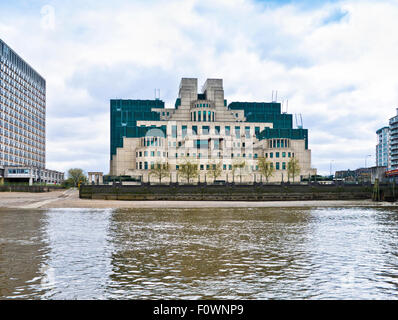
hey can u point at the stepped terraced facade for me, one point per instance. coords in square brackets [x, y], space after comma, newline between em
[204, 130]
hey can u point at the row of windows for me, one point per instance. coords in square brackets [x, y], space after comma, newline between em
[278, 143]
[20, 142]
[203, 116]
[20, 94]
[23, 113]
[206, 130]
[24, 154]
[150, 166]
[18, 171]
[277, 154]
[14, 160]
[22, 128]
[202, 105]
[194, 155]
[20, 67]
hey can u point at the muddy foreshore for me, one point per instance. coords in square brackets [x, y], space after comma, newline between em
[70, 199]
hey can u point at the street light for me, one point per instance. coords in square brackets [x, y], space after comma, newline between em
[369, 155]
[331, 167]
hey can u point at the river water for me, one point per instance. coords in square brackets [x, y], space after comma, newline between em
[259, 253]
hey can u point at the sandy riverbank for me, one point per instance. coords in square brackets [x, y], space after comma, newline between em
[70, 199]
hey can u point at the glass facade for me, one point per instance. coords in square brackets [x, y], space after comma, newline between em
[124, 117]
[22, 112]
[382, 147]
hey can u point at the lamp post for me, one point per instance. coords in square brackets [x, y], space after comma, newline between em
[331, 166]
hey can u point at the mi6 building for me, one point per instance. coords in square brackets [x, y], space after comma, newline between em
[205, 130]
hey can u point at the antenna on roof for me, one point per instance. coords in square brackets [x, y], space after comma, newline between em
[157, 94]
[276, 95]
[272, 96]
[299, 120]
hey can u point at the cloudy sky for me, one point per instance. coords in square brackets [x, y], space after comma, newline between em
[336, 63]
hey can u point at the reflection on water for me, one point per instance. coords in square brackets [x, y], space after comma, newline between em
[261, 253]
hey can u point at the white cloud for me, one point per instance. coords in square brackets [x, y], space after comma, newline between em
[336, 63]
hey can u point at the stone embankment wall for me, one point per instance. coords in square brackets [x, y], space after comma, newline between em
[226, 192]
[27, 188]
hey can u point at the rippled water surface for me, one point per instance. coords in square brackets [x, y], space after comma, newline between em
[261, 253]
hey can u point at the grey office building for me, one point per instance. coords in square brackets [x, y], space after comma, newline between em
[22, 112]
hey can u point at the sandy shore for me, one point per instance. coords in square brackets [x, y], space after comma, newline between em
[70, 199]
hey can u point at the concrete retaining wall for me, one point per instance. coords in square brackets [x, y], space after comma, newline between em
[27, 188]
[226, 193]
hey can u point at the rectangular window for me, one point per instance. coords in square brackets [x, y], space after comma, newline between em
[289, 154]
[224, 167]
[247, 132]
[184, 131]
[283, 154]
[283, 165]
[237, 132]
[201, 144]
[271, 154]
[174, 131]
[199, 116]
[277, 166]
[277, 154]
[194, 130]
[217, 130]
[256, 130]
[227, 130]
[201, 167]
[205, 130]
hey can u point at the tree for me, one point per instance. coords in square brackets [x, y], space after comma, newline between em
[188, 170]
[76, 176]
[215, 170]
[265, 167]
[238, 165]
[293, 168]
[160, 170]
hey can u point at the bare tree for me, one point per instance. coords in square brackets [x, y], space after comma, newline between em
[160, 170]
[215, 169]
[238, 165]
[188, 170]
[265, 167]
[293, 168]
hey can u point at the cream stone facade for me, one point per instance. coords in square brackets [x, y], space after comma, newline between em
[203, 130]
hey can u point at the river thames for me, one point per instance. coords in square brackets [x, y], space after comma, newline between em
[239, 253]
